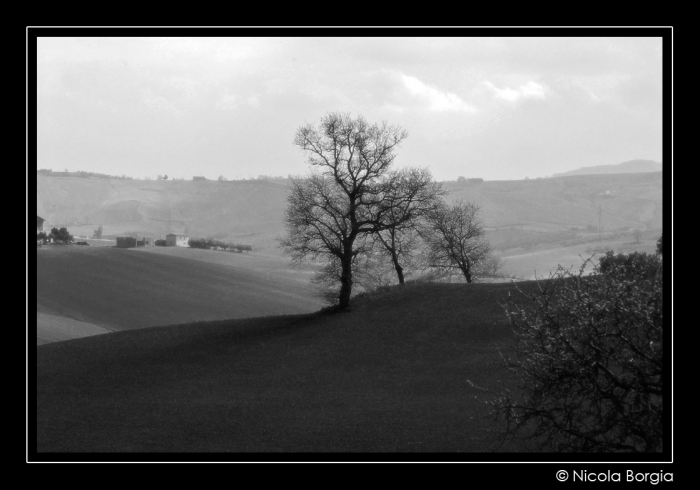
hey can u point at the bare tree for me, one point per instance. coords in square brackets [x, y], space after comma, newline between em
[409, 196]
[372, 269]
[369, 270]
[455, 238]
[400, 245]
[346, 197]
[492, 266]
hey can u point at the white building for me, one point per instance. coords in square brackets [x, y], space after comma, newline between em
[176, 240]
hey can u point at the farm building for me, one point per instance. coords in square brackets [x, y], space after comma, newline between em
[39, 224]
[126, 241]
[176, 240]
[130, 242]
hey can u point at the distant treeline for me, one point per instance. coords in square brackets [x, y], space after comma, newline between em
[80, 173]
[476, 180]
[212, 244]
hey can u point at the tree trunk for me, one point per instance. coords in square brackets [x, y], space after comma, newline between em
[397, 268]
[391, 248]
[399, 272]
[345, 281]
[467, 273]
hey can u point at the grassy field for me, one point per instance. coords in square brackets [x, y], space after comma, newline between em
[54, 328]
[264, 264]
[391, 375]
[538, 262]
[117, 289]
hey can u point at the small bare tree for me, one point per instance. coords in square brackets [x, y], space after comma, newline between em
[454, 235]
[399, 245]
[408, 196]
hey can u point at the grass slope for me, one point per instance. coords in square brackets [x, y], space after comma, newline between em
[54, 328]
[389, 376]
[122, 289]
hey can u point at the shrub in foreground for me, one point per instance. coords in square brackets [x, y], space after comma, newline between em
[588, 359]
[635, 265]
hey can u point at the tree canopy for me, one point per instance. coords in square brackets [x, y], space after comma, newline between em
[350, 194]
[455, 238]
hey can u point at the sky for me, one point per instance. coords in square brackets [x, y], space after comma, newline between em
[494, 108]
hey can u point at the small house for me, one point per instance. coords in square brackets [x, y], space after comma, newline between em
[39, 224]
[176, 240]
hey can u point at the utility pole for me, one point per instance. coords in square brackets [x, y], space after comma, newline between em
[600, 220]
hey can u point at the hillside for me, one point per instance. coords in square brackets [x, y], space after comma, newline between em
[631, 166]
[388, 376]
[520, 215]
[562, 203]
[248, 212]
[90, 290]
[536, 224]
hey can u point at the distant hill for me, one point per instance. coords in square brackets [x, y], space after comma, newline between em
[534, 224]
[628, 200]
[252, 212]
[248, 212]
[632, 166]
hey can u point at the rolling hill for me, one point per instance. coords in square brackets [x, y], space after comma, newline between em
[534, 225]
[391, 375]
[90, 290]
[549, 213]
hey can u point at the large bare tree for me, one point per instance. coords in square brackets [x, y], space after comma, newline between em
[351, 194]
[455, 238]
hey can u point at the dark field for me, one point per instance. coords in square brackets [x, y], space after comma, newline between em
[388, 376]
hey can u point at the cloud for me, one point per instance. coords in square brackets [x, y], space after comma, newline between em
[227, 103]
[159, 104]
[438, 100]
[531, 90]
[152, 101]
